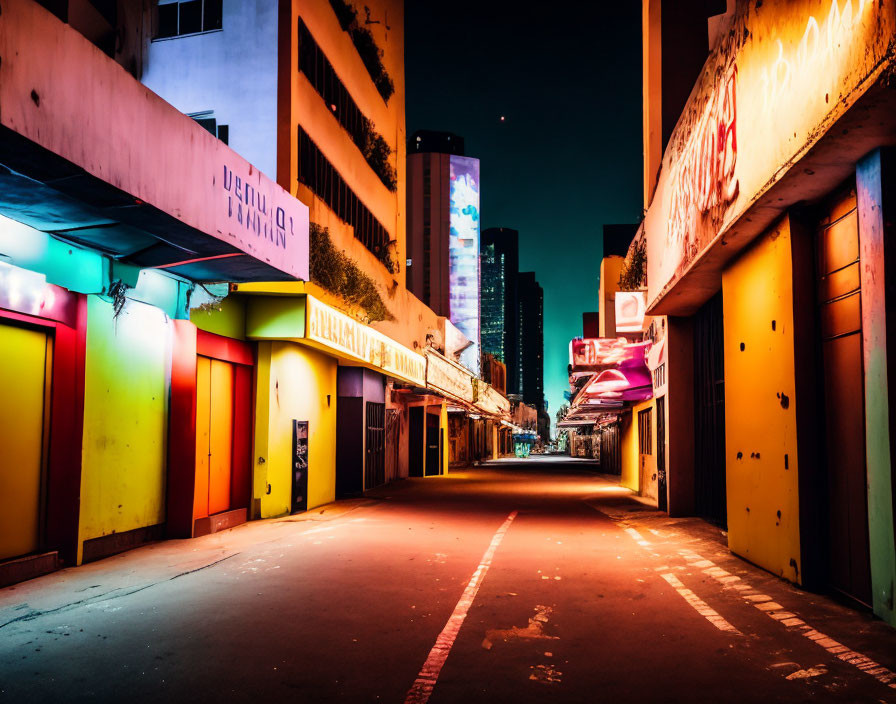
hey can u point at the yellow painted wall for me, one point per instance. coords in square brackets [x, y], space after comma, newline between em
[610, 268]
[763, 500]
[127, 376]
[629, 452]
[446, 445]
[25, 357]
[292, 383]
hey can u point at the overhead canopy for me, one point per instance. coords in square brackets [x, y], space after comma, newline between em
[90, 155]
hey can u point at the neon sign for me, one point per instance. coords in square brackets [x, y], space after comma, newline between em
[463, 255]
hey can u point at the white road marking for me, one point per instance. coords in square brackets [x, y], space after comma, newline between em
[429, 673]
[638, 537]
[773, 610]
[699, 605]
[767, 605]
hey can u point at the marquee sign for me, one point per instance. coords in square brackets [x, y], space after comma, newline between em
[451, 379]
[597, 353]
[337, 331]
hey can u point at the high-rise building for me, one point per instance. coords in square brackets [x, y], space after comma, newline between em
[531, 335]
[500, 300]
[423, 141]
[443, 234]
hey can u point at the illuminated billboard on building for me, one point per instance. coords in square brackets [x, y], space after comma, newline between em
[463, 255]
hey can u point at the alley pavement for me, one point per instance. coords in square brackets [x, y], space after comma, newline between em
[532, 580]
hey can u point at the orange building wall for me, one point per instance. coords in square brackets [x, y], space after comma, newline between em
[301, 105]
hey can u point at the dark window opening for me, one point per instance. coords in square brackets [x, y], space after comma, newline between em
[323, 78]
[645, 441]
[176, 19]
[317, 173]
[209, 123]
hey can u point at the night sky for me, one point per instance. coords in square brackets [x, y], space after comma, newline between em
[567, 158]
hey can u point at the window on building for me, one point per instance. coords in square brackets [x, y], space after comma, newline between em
[645, 440]
[317, 173]
[208, 121]
[177, 18]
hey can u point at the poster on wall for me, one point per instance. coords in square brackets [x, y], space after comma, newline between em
[463, 255]
[630, 308]
[299, 466]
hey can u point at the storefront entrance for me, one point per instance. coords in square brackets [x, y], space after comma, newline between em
[214, 432]
[415, 441]
[223, 433]
[375, 446]
[25, 363]
[842, 383]
[433, 445]
[709, 413]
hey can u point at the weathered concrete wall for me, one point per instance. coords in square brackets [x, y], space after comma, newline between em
[769, 92]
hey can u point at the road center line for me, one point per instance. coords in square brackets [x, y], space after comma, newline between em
[429, 673]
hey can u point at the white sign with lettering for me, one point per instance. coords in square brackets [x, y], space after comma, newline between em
[331, 328]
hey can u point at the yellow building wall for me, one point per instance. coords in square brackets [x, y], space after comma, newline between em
[760, 405]
[293, 382]
[629, 453]
[610, 269]
[446, 446]
[127, 378]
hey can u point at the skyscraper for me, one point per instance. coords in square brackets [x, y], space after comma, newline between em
[443, 233]
[500, 300]
[531, 337]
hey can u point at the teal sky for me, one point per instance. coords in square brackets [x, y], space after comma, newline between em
[567, 157]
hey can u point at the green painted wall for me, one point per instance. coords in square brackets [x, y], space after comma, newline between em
[875, 234]
[227, 318]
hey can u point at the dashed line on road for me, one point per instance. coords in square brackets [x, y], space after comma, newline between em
[638, 537]
[700, 606]
[768, 606]
[421, 690]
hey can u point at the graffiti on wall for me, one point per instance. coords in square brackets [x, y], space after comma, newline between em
[817, 53]
[704, 182]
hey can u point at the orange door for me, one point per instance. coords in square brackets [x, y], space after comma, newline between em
[203, 427]
[840, 315]
[214, 436]
[220, 437]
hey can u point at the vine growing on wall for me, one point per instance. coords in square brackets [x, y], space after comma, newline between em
[338, 274]
[634, 269]
[118, 293]
[377, 153]
[371, 55]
